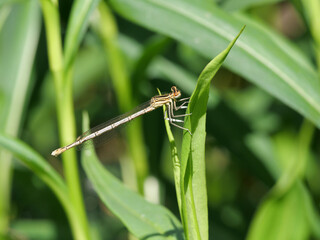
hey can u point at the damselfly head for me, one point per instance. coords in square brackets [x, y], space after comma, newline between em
[175, 92]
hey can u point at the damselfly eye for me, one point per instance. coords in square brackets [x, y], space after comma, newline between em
[175, 92]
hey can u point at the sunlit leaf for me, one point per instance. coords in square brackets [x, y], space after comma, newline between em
[192, 174]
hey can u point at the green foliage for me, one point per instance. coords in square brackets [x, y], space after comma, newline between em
[248, 171]
[193, 186]
[232, 5]
[19, 27]
[143, 219]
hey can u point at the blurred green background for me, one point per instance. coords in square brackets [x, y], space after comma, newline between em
[262, 148]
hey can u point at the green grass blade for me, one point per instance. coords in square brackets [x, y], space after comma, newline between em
[16, 63]
[192, 179]
[294, 157]
[20, 28]
[313, 217]
[77, 25]
[261, 56]
[62, 75]
[52, 23]
[143, 219]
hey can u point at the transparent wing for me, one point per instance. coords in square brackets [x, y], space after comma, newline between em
[103, 138]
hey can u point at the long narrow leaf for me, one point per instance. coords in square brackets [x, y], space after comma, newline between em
[20, 27]
[78, 23]
[61, 68]
[192, 179]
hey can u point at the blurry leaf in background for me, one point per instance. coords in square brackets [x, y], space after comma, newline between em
[287, 212]
[247, 113]
[234, 137]
[232, 5]
[284, 218]
[20, 27]
[262, 146]
[77, 25]
[35, 229]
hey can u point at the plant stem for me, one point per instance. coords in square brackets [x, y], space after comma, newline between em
[64, 101]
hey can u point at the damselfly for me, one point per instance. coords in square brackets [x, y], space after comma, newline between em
[169, 100]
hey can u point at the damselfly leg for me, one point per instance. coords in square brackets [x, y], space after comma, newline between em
[183, 105]
[172, 118]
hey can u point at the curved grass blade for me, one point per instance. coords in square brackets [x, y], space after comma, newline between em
[143, 219]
